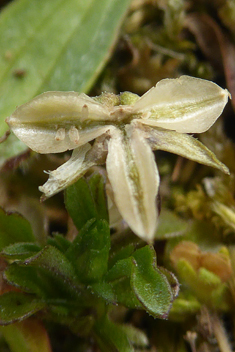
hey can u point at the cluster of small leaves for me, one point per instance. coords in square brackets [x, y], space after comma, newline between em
[74, 283]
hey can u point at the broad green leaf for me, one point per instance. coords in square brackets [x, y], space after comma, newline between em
[14, 228]
[16, 306]
[89, 251]
[57, 45]
[27, 336]
[20, 250]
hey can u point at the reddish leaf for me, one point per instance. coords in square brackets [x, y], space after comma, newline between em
[216, 45]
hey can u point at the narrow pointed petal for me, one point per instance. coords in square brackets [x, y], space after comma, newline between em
[45, 123]
[185, 104]
[67, 173]
[81, 160]
[182, 144]
[134, 178]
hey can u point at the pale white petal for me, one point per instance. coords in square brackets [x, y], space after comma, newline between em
[45, 140]
[134, 179]
[53, 107]
[182, 144]
[81, 160]
[47, 124]
[67, 173]
[185, 104]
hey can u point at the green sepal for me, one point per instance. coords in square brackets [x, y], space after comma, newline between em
[89, 252]
[14, 228]
[16, 306]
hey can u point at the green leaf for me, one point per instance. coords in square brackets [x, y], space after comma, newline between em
[54, 45]
[53, 261]
[14, 228]
[20, 250]
[118, 291]
[26, 336]
[90, 251]
[49, 274]
[111, 337]
[150, 285]
[122, 253]
[31, 280]
[16, 306]
[86, 200]
[97, 184]
[80, 203]
[137, 282]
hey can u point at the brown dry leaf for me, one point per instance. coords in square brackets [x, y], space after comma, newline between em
[186, 250]
[216, 45]
[218, 263]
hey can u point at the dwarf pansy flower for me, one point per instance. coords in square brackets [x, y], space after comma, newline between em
[126, 128]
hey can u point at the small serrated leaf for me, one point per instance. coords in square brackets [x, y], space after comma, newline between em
[89, 251]
[29, 279]
[14, 228]
[53, 261]
[20, 251]
[16, 306]
[150, 285]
